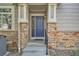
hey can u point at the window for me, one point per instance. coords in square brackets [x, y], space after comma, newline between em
[52, 13]
[21, 11]
[6, 18]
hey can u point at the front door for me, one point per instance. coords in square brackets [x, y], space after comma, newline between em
[37, 27]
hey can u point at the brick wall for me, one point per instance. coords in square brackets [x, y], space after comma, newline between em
[23, 34]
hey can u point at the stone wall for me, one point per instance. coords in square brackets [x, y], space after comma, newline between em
[67, 39]
[58, 39]
[11, 39]
[23, 34]
[62, 39]
[61, 52]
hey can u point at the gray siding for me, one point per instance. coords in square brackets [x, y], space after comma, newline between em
[68, 17]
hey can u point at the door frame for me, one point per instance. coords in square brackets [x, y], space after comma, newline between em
[31, 27]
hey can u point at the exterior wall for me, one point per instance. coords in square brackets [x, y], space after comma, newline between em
[11, 34]
[11, 38]
[68, 20]
[62, 39]
[66, 39]
[64, 42]
[68, 17]
[24, 26]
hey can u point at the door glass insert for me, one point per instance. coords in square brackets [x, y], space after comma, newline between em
[37, 26]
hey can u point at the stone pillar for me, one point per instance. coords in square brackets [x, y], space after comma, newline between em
[23, 34]
[52, 34]
[52, 25]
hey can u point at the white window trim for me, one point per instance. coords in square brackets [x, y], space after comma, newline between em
[25, 10]
[49, 11]
[13, 17]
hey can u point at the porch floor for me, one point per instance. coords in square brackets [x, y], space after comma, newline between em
[35, 48]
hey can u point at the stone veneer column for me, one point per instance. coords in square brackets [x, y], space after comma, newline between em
[23, 34]
[52, 34]
[52, 24]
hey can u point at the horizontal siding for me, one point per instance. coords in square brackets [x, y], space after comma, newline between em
[68, 14]
[68, 5]
[68, 17]
[73, 10]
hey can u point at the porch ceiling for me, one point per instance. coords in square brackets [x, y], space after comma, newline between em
[37, 8]
[37, 3]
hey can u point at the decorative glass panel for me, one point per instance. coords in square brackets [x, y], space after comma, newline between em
[5, 9]
[5, 18]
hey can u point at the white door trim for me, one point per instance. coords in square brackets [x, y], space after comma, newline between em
[37, 15]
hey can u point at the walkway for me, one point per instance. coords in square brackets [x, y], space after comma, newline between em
[35, 48]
